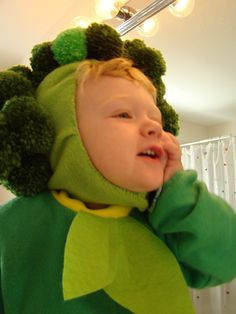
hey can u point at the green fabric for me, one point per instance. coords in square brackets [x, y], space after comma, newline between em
[73, 170]
[199, 228]
[112, 254]
[33, 233]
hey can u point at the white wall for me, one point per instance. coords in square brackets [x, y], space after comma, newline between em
[192, 132]
[222, 129]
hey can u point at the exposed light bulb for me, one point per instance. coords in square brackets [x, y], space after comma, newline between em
[81, 21]
[181, 8]
[149, 27]
[107, 9]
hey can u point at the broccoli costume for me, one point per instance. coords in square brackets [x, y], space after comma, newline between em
[56, 255]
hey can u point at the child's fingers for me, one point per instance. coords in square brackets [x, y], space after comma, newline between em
[173, 153]
[171, 145]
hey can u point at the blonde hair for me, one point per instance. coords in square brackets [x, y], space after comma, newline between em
[118, 67]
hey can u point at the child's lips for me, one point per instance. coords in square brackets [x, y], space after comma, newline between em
[152, 152]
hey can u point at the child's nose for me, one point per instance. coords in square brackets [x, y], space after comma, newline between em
[151, 128]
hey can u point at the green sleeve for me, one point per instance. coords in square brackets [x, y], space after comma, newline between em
[1, 301]
[199, 228]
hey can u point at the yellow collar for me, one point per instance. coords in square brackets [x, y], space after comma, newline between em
[110, 212]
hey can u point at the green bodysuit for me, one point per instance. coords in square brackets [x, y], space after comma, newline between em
[199, 228]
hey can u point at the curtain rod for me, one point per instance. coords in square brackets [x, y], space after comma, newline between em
[215, 139]
[143, 15]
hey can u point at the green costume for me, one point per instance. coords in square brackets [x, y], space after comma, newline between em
[56, 255]
[34, 232]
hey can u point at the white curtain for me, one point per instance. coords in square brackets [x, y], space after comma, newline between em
[215, 162]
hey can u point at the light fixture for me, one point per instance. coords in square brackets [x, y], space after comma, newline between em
[81, 21]
[147, 29]
[108, 9]
[143, 15]
[182, 8]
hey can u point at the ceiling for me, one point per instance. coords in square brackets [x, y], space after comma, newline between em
[200, 50]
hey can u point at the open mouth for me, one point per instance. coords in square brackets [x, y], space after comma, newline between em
[154, 153]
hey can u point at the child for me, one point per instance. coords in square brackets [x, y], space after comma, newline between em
[99, 240]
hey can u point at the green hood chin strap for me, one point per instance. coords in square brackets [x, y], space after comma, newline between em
[72, 169]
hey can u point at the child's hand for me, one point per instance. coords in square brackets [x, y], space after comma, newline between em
[173, 153]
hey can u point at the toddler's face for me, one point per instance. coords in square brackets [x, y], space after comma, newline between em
[121, 129]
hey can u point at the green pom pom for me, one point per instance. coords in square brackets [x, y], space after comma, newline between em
[170, 117]
[3, 122]
[22, 70]
[42, 61]
[31, 178]
[70, 46]
[26, 137]
[152, 64]
[148, 60]
[161, 90]
[9, 152]
[103, 42]
[13, 84]
[32, 127]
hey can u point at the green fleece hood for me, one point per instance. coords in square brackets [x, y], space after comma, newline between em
[34, 101]
[72, 169]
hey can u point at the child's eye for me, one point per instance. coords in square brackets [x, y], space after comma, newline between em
[124, 115]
